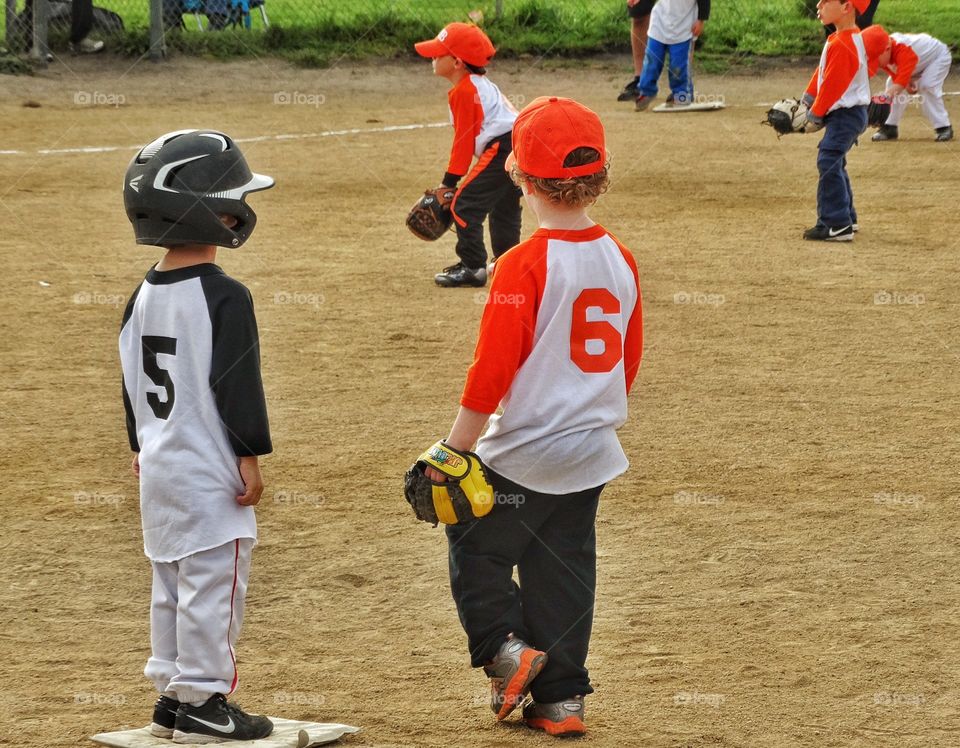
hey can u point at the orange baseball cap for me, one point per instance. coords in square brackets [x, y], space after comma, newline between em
[548, 130]
[462, 40]
[875, 42]
[861, 5]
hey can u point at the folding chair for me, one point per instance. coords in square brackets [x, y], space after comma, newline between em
[245, 6]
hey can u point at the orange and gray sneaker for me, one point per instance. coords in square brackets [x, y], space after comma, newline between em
[560, 718]
[511, 672]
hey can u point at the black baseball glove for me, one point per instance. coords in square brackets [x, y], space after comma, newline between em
[465, 495]
[878, 111]
[430, 217]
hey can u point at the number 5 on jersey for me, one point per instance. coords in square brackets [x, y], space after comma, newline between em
[583, 330]
[151, 346]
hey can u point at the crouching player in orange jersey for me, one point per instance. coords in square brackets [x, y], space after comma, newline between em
[559, 347]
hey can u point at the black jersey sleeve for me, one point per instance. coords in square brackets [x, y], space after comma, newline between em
[127, 405]
[235, 366]
[703, 10]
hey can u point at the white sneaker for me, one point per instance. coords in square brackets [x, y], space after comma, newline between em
[87, 46]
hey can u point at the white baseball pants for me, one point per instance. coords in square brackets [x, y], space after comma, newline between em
[195, 618]
[930, 88]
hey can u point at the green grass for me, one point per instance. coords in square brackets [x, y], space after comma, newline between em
[314, 32]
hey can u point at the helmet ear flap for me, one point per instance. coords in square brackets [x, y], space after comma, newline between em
[177, 188]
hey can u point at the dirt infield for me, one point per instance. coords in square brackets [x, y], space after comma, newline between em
[778, 567]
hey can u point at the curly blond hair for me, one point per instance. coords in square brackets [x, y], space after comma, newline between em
[574, 192]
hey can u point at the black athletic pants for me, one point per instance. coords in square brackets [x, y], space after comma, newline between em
[81, 20]
[552, 541]
[487, 190]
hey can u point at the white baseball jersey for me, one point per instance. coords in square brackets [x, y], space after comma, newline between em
[671, 21]
[479, 113]
[194, 402]
[559, 347]
[927, 49]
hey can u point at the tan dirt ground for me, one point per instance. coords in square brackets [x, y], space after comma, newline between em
[778, 567]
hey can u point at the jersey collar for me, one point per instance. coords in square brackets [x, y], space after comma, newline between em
[161, 277]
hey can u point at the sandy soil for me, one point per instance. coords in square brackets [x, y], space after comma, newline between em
[778, 567]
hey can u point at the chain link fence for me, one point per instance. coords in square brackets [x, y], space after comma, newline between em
[32, 24]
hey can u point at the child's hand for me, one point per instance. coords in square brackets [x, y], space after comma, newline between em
[697, 28]
[135, 465]
[912, 88]
[435, 475]
[252, 481]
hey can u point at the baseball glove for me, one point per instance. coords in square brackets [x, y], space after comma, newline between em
[789, 116]
[430, 216]
[878, 111]
[466, 495]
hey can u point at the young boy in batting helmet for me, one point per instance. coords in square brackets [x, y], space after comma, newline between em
[559, 347]
[837, 98]
[197, 421]
[482, 119]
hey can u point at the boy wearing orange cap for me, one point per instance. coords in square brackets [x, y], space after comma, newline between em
[559, 347]
[837, 99]
[914, 63]
[482, 120]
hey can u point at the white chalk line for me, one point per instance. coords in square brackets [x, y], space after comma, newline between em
[258, 139]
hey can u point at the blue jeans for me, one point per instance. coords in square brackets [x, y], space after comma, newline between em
[834, 193]
[681, 83]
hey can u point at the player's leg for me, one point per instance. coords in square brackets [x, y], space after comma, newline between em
[639, 14]
[482, 555]
[212, 592]
[834, 197]
[162, 665]
[557, 586]
[681, 82]
[653, 62]
[930, 88]
[479, 192]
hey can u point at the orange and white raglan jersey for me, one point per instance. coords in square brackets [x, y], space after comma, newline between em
[841, 81]
[479, 112]
[911, 54]
[559, 347]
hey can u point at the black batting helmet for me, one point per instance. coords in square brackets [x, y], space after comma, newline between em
[178, 186]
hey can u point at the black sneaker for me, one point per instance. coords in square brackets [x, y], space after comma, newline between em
[886, 132]
[944, 134]
[461, 275]
[164, 717]
[217, 720]
[629, 92]
[821, 233]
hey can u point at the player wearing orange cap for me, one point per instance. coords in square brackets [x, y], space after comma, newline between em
[482, 120]
[914, 63]
[837, 99]
[559, 347]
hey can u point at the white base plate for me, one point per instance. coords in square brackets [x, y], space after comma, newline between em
[287, 733]
[697, 106]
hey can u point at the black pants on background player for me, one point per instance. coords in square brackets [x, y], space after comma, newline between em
[487, 192]
[552, 542]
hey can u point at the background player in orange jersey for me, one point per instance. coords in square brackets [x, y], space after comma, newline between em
[482, 121]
